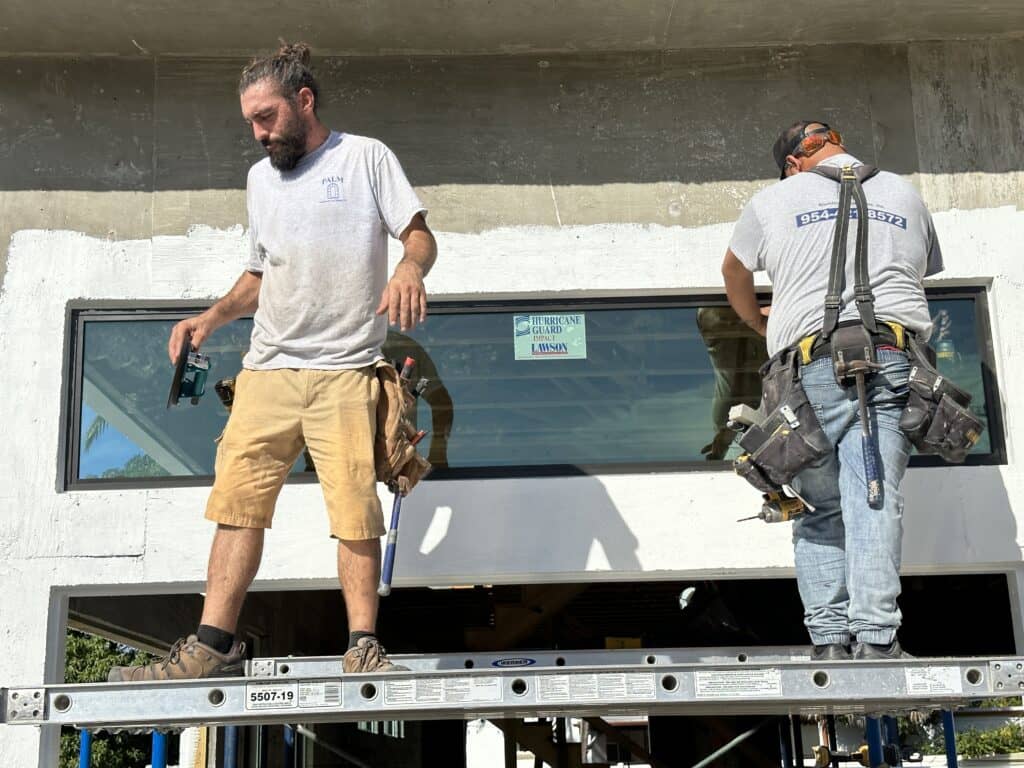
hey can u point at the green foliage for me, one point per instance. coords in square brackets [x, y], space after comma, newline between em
[88, 660]
[972, 743]
[139, 465]
[1004, 703]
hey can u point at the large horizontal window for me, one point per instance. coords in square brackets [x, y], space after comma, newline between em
[515, 389]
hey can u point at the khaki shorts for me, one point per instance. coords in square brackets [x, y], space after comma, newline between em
[274, 415]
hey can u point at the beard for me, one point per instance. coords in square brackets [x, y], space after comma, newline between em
[287, 148]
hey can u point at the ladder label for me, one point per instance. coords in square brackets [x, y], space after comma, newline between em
[442, 690]
[606, 686]
[271, 695]
[934, 680]
[738, 683]
[320, 693]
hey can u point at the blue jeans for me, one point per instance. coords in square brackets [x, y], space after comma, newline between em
[848, 554]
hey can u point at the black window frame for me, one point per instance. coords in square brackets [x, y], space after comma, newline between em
[80, 312]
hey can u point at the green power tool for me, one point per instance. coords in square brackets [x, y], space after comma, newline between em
[190, 374]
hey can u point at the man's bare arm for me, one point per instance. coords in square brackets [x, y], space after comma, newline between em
[404, 297]
[241, 300]
[739, 287]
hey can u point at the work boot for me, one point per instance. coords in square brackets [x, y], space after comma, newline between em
[188, 659]
[875, 652]
[368, 656]
[830, 652]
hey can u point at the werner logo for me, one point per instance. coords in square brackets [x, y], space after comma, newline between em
[514, 661]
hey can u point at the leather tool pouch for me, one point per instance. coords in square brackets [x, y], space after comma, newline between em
[936, 418]
[398, 464]
[852, 349]
[790, 438]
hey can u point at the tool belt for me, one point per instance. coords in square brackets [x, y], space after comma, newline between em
[936, 417]
[398, 464]
[816, 346]
[790, 437]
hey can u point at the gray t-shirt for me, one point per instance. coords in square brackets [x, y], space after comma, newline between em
[786, 229]
[318, 234]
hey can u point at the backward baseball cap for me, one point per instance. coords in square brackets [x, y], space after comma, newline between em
[787, 141]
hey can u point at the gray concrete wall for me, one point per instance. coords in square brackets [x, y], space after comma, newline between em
[447, 27]
[128, 148]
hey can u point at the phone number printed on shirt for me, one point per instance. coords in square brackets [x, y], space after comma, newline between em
[829, 214]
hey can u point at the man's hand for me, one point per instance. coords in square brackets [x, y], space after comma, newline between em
[762, 327]
[197, 327]
[404, 297]
[242, 299]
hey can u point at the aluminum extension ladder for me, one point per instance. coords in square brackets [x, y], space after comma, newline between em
[769, 681]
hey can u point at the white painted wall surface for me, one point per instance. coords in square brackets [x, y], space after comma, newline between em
[621, 527]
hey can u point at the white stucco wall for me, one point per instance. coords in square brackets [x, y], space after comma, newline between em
[622, 527]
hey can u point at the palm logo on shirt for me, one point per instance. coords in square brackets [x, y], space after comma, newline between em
[332, 186]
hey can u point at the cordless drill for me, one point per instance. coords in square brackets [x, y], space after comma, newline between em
[781, 504]
[778, 508]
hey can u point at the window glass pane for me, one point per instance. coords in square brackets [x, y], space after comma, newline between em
[642, 389]
[126, 429]
[955, 340]
[607, 385]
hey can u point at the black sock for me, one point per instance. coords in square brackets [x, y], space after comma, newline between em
[355, 637]
[217, 639]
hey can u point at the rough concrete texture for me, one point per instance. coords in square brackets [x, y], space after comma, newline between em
[672, 138]
[476, 26]
[969, 106]
[76, 124]
[693, 117]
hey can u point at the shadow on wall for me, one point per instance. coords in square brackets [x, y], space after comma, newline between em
[694, 116]
[505, 531]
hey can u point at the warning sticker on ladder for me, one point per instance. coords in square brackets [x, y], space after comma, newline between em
[604, 686]
[738, 683]
[441, 690]
[934, 680]
[320, 693]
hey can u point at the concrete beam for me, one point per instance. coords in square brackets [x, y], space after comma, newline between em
[445, 27]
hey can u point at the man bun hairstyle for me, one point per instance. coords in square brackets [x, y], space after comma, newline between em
[289, 69]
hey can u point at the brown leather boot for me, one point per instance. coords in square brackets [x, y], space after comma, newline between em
[369, 656]
[188, 659]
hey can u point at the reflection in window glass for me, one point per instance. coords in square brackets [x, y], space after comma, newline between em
[126, 430]
[587, 386]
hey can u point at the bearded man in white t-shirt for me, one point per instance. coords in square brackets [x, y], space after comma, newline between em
[321, 206]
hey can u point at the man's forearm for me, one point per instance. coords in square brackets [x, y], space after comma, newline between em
[739, 287]
[241, 300]
[420, 251]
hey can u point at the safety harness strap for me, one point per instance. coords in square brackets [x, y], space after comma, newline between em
[849, 179]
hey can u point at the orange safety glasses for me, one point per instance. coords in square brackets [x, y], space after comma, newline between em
[815, 140]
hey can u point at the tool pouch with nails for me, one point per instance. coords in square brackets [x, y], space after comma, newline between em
[790, 438]
[398, 464]
[936, 418]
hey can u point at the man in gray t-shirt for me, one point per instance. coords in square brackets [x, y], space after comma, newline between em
[847, 554]
[321, 208]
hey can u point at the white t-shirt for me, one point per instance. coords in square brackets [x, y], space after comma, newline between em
[318, 234]
[786, 229]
